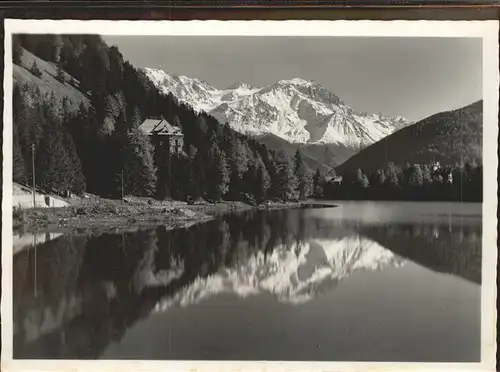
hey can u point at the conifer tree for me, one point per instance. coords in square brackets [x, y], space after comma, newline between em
[60, 73]
[392, 175]
[135, 118]
[139, 171]
[181, 184]
[238, 162]
[416, 178]
[316, 179]
[176, 122]
[380, 177]
[74, 171]
[51, 161]
[426, 174]
[407, 171]
[17, 161]
[220, 175]
[263, 181]
[286, 179]
[17, 50]
[361, 179]
[301, 175]
[35, 70]
[199, 173]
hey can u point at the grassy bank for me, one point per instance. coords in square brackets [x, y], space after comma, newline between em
[116, 214]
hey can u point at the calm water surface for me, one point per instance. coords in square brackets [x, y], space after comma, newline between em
[361, 282]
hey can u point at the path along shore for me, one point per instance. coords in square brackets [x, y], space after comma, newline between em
[112, 215]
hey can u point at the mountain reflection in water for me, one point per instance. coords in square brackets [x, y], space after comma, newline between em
[88, 291]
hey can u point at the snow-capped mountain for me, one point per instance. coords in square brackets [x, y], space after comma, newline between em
[295, 110]
[293, 274]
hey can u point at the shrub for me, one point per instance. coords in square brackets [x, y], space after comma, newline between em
[17, 215]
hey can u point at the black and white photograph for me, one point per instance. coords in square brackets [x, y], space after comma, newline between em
[250, 192]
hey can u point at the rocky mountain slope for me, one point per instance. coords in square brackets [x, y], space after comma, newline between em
[296, 111]
[451, 137]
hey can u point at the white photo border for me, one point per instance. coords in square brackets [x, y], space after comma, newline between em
[486, 30]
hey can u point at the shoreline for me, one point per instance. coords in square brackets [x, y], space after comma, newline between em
[120, 216]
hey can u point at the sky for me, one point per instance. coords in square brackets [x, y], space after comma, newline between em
[408, 77]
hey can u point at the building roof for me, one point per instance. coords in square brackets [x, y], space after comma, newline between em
[333, 179]
[160, 127]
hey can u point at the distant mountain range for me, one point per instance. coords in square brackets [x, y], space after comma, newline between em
[286, 115]
[451, 137]
[296, 113]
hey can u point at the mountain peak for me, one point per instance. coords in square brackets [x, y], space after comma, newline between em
[296, 110]
[239, 84]
[295, 81]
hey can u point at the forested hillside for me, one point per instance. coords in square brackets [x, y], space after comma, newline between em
[438, 158]
[452, 138]
[79, 103]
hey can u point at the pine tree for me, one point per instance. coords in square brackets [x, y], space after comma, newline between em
[74, 171]
[366, 183]
[191, 187]
[262, 182]
[362, 179]
[426, 175]
[272, 170]
[177, 122]
[416, 178]
[139, 171]
[50, 160]
[17, 160]
[286, 180]
[65, 113]
[316, 179]
[407, 171]
[181, 184]
[199, 173]
[220, 175]
[35, 70]
[380, 177]
[60, 73]
[135, 118]
[17, 50]
[28, 126]
[392, 175]
[238, 162]
[301, 174]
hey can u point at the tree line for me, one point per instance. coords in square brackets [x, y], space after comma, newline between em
[96, 145]
[460, 182]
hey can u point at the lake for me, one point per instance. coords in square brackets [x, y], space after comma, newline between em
[363, 281]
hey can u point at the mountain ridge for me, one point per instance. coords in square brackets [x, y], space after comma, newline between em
[296, 110]
[449, 137]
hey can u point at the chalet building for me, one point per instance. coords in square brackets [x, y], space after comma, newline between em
[164, 135]
[334, 180]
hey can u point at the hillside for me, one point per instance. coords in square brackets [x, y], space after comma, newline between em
[451, 138]
[80, 104]
[316, 156]
[48, 82]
